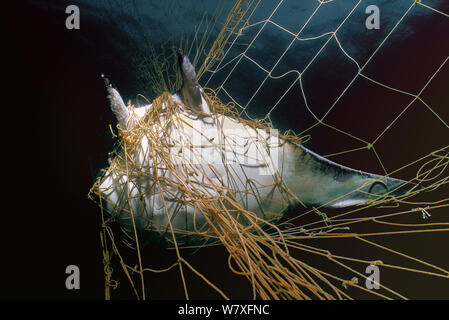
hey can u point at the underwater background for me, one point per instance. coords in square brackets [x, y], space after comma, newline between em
[59, 95]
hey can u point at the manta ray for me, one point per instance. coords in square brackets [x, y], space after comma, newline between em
[266, 173]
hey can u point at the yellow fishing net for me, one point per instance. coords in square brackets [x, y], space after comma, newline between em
[268, 251]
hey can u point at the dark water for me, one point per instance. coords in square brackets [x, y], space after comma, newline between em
[62, 138]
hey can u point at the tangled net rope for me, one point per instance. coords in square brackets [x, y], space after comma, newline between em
[259, 249]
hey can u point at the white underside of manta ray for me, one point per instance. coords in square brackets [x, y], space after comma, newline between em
[266, 174]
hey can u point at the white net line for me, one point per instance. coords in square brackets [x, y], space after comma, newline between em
[333, 35]
[330, 37]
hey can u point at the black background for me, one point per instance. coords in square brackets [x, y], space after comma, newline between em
[53, 125]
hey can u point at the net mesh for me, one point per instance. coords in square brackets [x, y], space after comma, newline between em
[270, 254]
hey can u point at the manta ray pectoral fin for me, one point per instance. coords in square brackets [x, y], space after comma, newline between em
[191, 92]
[318, 181]
[117, 105]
